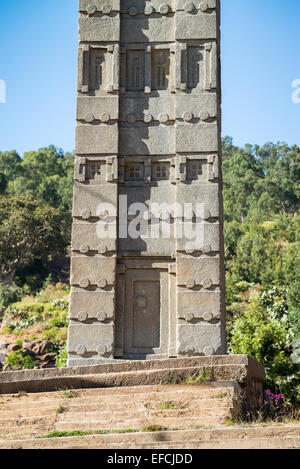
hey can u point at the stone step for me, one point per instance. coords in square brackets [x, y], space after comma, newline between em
[140, 423]
[172, 406]
[221, 438]
[96, 395]
[172, 402]
[208, 390]
[240, 368]
[94, 421]
[278, 443]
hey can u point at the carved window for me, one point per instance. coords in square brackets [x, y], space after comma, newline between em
[95, 169]
[195, 63]
[160, 171]
[135, 80]
[97, 69]
[160, 69]
[134, 172]
[195, 169]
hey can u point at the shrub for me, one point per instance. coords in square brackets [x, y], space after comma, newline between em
[55, 334]
[264, 333]
[62, 358]
[8, 295]
[19, 361]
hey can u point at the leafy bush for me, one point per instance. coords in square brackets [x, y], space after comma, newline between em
[55, 335]
[264, 333]
[9, 295]
[62, 358]
[19, 361]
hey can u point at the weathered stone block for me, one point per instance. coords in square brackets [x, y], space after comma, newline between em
[87, 237]
[96, 139]
[205, 305]
[199, 339]
[207, 196]
[147, 30]
[94, 201]
[99, 6]
[204, 272]
[147, 140]
[201, 236]
[142, 7]
[93, 272]
[97, 305]
[192, 137]
[103, 109]
[95, 339]
[104, 29]
[195, 26]
[146, 110]
[203, 106]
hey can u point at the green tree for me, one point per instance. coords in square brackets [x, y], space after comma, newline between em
[29, 230]
[46, 174]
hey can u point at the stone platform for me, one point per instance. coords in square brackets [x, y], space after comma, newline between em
[242, 369]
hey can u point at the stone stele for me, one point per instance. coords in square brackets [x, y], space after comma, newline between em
[148, 132]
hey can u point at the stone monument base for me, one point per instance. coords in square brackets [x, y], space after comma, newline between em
[241, 369]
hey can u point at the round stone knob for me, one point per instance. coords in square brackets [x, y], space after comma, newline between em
[86, 214]
[102, 283]
[188, 349]
[204, 115]
[104, 117]
[131, 118]
[84, 249]
[106, 9]
[208, 351]
[203, 6]
[207, 283]
[189, 7]
[133, 11]
[189, 317]
[81, 350]
[148, 10]
[206, 214]
[82, 316]
[206, 249]
[89, 117]
[102, 213]
[190, 283]
[208, 317]
[163, 118]
[148, 118]
[102, 249]
[187, 116]
[164, 9]
[101, 316]
[91, 9]
[84, 283]
[101, 350]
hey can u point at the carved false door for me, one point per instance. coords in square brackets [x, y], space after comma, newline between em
[146, 313]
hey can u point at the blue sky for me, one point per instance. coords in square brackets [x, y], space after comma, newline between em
[38, 50]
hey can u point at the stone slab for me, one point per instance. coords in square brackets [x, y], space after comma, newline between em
[147, 140]
[96, 139]
[97, 108]
[240, 368]
[92, 305]
[104, 29]
[196, 339]
[87, 200]
[93, 271]
[196, 137]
